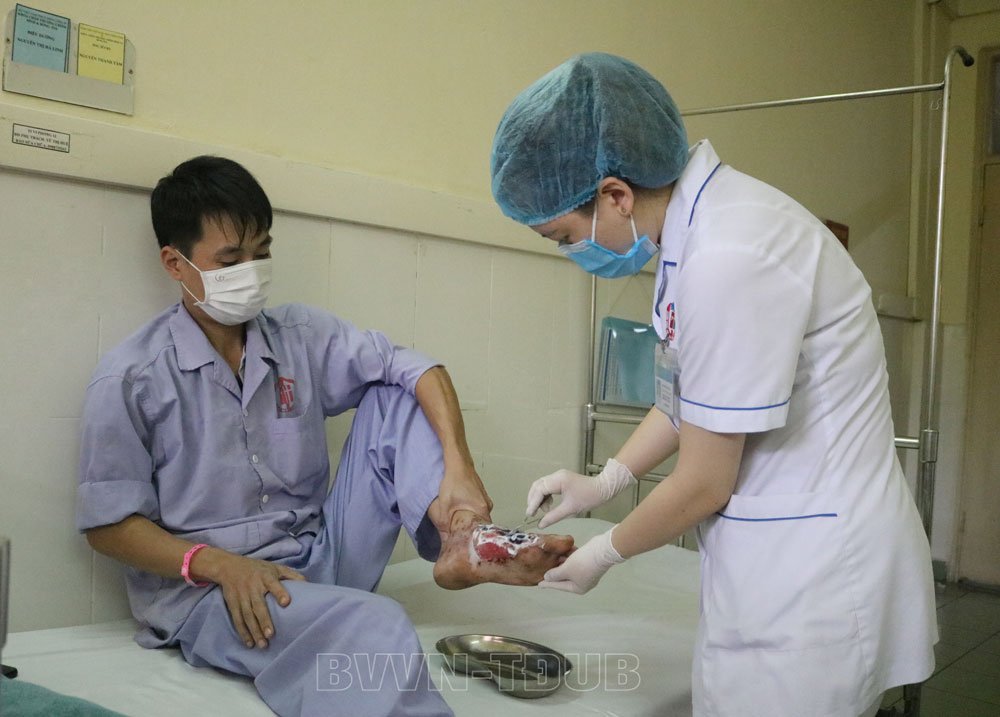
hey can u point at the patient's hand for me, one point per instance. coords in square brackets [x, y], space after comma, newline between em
[245, 582]
[478, 552]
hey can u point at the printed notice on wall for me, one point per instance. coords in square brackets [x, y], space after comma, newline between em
[100, 54]
[40, 39]
[40, 138]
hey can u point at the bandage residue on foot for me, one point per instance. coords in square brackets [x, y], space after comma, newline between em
[496, 544]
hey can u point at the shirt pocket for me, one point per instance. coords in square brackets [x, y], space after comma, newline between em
[292, 425]
[776, 574]
[298, 454]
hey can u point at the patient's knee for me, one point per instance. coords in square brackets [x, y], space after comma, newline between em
[370, 608]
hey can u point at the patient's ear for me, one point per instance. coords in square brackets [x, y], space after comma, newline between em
[171, 262]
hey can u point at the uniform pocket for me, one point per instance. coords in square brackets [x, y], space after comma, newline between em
[290, 425]
[776, 577]
[297, 453]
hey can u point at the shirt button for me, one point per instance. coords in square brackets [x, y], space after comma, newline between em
[264, 498]
[246, 412]
[254, 458]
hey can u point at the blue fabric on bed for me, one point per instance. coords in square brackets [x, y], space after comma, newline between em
[24, 699]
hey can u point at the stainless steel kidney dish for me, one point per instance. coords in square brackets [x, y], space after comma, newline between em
[519, 667]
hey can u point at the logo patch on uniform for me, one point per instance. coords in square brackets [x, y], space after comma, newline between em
[671, 322]
[286, 394]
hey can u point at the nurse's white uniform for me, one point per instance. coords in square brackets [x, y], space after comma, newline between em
[817, 593]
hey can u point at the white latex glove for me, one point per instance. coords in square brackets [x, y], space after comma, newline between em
[579, 493]
[584, 567]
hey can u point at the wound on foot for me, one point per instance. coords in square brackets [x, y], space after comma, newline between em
[498, 545]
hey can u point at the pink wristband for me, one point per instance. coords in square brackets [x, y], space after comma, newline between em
[186, 566]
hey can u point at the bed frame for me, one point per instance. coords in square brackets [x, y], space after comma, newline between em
[630, 640]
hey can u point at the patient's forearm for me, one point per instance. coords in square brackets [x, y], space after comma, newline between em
[140, 543]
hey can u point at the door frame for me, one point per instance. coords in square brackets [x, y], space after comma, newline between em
[989, 63]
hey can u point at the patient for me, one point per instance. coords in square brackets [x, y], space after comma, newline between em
[204, 468]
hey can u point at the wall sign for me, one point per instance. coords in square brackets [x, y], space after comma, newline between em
[100, 54]
[41, 39]
[55, 58]
[40, 138]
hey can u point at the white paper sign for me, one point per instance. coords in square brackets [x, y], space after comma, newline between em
[41, 138]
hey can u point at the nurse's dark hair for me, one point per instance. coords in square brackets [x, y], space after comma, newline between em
[212, 188]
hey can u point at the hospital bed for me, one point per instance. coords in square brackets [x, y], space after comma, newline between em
[630, 641]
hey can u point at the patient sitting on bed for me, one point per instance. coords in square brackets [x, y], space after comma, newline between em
[204, 468]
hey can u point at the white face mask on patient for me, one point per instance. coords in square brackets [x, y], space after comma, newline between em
[233, 294]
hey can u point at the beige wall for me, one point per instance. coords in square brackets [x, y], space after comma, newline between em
[412, 91]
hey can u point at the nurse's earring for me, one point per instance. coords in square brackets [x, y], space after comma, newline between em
[619, 192]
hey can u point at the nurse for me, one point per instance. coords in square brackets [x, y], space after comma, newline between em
[771, 387]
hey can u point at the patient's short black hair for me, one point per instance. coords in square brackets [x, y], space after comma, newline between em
[213, 188]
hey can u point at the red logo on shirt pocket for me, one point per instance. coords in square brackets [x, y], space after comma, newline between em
[286, 394]
[671, 322]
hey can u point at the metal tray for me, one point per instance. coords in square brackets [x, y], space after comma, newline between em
[519, 667]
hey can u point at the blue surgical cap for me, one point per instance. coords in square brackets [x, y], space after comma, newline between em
[594, 116]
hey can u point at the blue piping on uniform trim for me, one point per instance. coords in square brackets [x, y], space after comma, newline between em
[698, 196]
[663, 286]
[787, 517]
[729, 408]
[663, 289]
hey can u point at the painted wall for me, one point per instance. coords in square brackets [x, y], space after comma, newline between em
[370, 124]
[412, 91]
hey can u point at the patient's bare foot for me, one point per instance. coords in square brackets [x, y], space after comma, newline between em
[476, 552]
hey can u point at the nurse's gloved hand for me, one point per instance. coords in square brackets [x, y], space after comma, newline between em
[585, 567]
[579, 492]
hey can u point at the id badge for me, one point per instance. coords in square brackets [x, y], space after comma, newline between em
[667, 379]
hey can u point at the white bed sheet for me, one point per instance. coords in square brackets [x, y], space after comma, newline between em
[642, 615]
